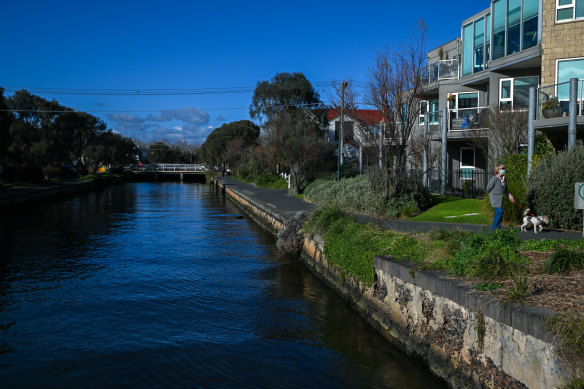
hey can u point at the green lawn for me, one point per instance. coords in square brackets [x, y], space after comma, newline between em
[456, 210]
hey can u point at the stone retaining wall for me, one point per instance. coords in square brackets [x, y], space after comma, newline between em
[465, 337]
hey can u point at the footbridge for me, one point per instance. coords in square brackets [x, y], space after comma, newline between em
[170, 172]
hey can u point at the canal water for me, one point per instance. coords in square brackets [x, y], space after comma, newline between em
[167, 285]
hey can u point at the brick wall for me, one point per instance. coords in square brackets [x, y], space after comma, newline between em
[558, 41]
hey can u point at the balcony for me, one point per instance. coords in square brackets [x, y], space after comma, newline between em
[460, 122]
[561, 94]
[556, 113]
[441, 70]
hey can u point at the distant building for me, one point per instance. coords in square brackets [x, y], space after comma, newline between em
[356, 123]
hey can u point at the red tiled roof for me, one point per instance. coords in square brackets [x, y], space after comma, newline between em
[367, 116]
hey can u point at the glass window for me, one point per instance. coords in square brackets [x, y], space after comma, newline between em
[479, 45]
[579, 9]
[513, 26]
[467, 157]
[467, 162]
[530, 15]
[434, 112]
[467, 52]
[467, 100]
[423, 110]
[521, 87]
[514, 92]
[572, 68]
[499, 11]
[487, 40]
[569, 9]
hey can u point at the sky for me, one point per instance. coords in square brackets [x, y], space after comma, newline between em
[175, 70]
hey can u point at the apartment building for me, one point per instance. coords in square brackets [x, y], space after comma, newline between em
[503, 51]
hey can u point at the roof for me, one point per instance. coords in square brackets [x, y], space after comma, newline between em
[367, 116]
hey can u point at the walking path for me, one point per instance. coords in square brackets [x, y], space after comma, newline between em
[287, 205]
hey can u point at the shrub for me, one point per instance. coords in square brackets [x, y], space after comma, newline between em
[564, 260]
[289, 239]
[487, 256]
[550, 188]
[569, 329]
[320, 220]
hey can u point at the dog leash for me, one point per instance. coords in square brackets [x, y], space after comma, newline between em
[513, 201]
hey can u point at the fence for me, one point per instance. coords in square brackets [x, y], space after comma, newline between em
[463, 182]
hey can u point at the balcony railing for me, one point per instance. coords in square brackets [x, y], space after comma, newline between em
[460, 119]
[441, 70]
[561, 92]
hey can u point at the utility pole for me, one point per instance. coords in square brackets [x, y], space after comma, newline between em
[341, 132]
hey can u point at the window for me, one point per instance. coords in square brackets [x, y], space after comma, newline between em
[434, 112]
[567, 69]
[476, 45]
[530, 22]
[514, 92]
[467, 162]
[479, 45]
[467, 45]
[499, 11]
[567, 10]
[506, 93]
[423, 110]
[463, 104]
[513, 26]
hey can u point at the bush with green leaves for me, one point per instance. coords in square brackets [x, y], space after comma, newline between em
[356, 194]
[550, 188]
[487, 256]
[564, 260]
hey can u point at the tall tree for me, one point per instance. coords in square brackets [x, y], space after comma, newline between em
[394, 87]
[284, 104]
[284, 92]
[218, 141]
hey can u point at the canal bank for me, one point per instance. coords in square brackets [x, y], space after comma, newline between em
[23, 195]
[465, 337]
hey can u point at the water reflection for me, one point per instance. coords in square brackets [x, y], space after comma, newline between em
[162, 285]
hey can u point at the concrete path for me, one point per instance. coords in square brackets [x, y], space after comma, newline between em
[287, 205]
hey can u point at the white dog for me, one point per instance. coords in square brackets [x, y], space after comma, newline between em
[536, 221]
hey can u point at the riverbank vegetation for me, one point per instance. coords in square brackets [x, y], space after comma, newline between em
[495, 257]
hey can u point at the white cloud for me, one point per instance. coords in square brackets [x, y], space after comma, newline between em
[188, 124]
[188, 115]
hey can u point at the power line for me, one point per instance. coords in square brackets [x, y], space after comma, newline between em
[156, 92]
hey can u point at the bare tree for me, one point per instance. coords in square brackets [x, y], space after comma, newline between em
[504, 132]
[395, 83]
[294, 134]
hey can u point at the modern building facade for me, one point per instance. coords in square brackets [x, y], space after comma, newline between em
[503, 51]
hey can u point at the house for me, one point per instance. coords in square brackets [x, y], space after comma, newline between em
[357, 124]
[503, 52]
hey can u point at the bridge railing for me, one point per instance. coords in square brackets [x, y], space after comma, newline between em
[174, 167]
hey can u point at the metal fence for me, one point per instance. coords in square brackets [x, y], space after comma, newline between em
[462, 182]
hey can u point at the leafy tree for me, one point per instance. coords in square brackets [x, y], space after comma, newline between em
[284, 92]
[290, 127]
[39, 136]
[159, 153]
[218, 141]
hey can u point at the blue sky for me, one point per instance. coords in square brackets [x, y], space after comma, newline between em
[209, 56]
